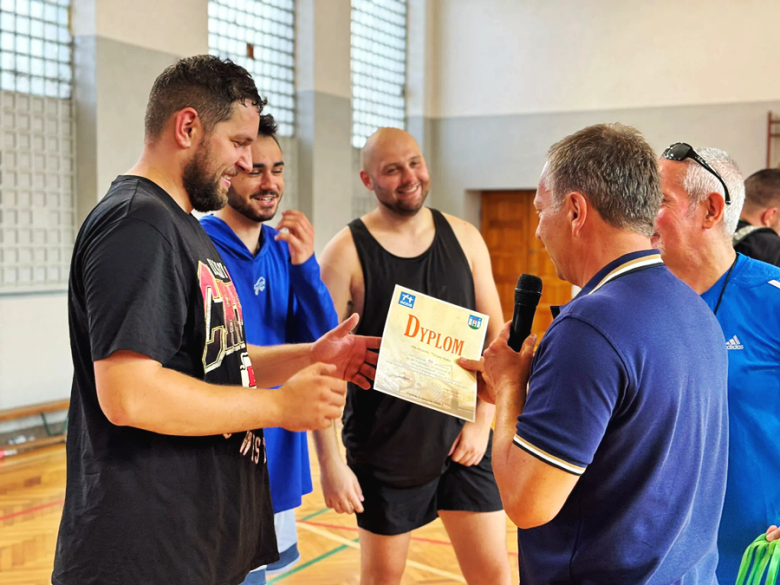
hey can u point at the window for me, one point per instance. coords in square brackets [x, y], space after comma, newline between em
[259, 35]
[37, 206]
[35, 47]
[378, 66]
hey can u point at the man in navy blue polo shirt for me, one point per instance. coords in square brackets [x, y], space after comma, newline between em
[703, 195]
[612, 464]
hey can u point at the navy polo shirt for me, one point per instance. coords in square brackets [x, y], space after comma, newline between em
[628, 391]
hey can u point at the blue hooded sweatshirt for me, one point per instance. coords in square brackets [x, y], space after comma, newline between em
[282, 303]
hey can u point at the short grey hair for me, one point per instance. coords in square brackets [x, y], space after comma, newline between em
[699, 183]
[616, 170]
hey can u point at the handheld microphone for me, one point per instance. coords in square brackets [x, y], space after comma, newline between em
[527, 295]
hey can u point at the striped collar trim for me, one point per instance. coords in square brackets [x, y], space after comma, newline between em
[630, 266]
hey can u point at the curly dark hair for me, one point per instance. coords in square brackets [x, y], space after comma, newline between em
[267, 126]
[206, 83]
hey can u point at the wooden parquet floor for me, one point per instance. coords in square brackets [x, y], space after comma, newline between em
[32, 488]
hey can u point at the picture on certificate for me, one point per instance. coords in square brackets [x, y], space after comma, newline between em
[422, 341]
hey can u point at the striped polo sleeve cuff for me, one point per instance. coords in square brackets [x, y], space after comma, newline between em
[547, 458]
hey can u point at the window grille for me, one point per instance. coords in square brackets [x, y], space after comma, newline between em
[378, 67]
[35, 47]
[259, 35]
[37, 204]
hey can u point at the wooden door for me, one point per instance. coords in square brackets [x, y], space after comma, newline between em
[509, 223]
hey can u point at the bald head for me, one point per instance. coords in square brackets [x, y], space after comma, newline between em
[385, 145]
[394, 169]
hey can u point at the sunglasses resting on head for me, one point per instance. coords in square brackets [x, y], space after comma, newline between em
[679, 151]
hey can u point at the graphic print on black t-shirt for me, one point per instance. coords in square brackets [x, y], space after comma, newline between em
[225, 337]
[222, 339]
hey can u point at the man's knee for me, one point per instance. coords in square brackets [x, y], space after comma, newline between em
[495, 570]
[382, 569]
[382, 558]
[385, 574]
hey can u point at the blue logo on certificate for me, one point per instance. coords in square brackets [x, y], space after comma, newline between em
[475, 322]
[407, 300]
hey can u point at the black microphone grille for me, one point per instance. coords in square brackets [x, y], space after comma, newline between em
[529, 283]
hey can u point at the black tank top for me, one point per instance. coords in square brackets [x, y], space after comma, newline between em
[398, 442]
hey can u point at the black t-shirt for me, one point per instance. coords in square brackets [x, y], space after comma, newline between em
[401, 443]
[762, 243]
[141, 507]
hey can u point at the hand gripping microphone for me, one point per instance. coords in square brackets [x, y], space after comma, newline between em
[527, 295]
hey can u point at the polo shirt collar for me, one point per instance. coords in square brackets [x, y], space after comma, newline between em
[626, 264]
[620, 266]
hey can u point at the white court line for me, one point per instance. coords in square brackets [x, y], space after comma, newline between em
[351, 544]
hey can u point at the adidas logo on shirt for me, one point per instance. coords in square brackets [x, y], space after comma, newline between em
[734, 343]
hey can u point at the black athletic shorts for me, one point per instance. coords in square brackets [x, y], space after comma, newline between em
[390, 510]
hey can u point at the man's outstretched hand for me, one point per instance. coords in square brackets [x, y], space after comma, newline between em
[354, 356]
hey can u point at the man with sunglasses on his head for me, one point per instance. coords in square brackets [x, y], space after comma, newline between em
[703, 193]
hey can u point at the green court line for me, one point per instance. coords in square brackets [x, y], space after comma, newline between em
[307, 564]
[310, 516]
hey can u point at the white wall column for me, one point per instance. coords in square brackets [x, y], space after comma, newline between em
[324, 115]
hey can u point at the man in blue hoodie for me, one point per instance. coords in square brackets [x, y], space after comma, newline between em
[278, 282]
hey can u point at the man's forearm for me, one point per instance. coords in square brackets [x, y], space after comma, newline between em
[509, 405]
[274, 365]
[532, 491]
[327, 445]
[484, 413]
[168, 402]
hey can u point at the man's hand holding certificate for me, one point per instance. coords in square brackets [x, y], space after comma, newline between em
[422, 341]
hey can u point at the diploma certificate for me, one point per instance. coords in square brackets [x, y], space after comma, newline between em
[422, 340]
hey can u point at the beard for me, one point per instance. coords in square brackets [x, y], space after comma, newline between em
[202, 187]
[403, 208]
[245, 208]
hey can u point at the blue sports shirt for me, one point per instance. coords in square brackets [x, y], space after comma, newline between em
[282, 303]
[749, 314]
[628, 391]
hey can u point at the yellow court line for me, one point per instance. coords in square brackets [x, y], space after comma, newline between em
[351, 544]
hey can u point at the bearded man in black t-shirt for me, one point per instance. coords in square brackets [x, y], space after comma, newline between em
[167, 481]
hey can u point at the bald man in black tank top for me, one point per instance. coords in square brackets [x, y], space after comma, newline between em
[410, 464]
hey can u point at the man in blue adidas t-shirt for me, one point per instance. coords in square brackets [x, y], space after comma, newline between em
[693, 233]
[612, 465]
[278, 282]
